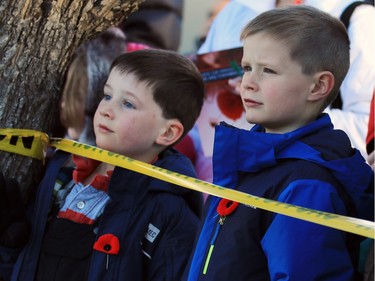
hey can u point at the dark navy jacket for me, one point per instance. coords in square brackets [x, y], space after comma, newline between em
[313, 167]
[155, 222]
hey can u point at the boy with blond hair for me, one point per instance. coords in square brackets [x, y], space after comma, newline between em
[294, 60]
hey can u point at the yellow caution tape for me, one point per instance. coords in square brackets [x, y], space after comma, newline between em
[24, 142]
[40, 141]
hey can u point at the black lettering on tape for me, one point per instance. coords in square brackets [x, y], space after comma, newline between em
[27, 142]
[13, 140]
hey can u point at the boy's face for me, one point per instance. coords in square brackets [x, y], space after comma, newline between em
[274, 90]
[128, 120]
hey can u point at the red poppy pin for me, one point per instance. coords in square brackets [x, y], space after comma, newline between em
[108, 243]
[226, 207]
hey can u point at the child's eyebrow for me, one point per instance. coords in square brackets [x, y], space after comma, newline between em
[132, 96]
[106, 85]
[244, 62]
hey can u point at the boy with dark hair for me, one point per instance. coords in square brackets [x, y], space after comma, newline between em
[294, 60]
[93, 221]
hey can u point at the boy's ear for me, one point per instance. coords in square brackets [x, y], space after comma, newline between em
[173, 131]
[323, 85]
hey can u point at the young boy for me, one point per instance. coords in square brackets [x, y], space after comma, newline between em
[294, 60]
[108, 223]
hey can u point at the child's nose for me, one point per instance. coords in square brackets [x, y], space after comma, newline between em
[107, 111]
[249, 81]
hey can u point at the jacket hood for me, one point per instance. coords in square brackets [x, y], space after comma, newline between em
[318, 142]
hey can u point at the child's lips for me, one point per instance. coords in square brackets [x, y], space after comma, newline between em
[104, 129]
[250, 103]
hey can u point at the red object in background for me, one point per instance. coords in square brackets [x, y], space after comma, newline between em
[186, 147]
[230, 104]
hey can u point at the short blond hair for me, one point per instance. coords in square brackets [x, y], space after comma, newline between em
[317, 40]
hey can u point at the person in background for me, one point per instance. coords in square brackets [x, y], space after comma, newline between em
[93, 221]
[292, 155]
[218, 6]
[355, 91]
[157, 23]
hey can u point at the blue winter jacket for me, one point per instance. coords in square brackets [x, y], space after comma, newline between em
[314, 167]
[155, 222]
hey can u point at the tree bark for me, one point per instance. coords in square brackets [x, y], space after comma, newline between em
[37, 39]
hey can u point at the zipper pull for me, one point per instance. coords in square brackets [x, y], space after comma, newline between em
[225, 208]
[221, 220]
[212, 243]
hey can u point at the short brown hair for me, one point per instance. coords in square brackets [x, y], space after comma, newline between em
[176, 83]
[317, 40]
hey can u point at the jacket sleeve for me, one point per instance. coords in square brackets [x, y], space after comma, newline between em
[301, 250]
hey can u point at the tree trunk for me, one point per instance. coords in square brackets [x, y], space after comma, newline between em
[37, 39]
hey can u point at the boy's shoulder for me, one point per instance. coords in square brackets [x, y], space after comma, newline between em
[180, 197]
[175, 161]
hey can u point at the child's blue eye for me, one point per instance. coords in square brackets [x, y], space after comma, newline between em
[268, 70]
[106, 97]
[128, 104]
